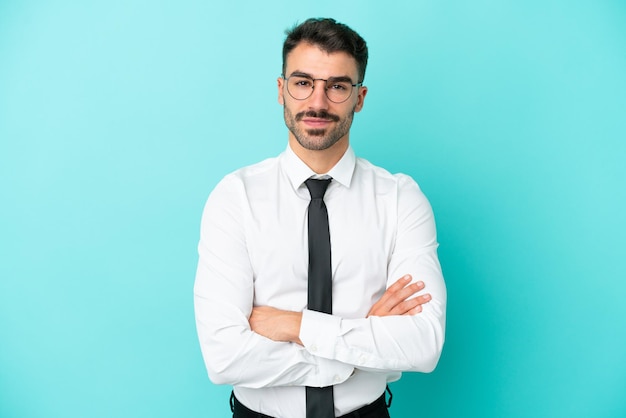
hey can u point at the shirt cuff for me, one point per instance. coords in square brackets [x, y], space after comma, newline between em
[318, 333]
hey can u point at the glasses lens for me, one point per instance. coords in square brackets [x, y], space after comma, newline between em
[300, 88]
[338, 91]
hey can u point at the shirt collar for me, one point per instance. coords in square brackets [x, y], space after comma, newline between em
[297, 171]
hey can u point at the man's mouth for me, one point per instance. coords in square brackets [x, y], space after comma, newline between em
[316, 122]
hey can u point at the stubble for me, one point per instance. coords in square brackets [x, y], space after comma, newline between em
[318, 139]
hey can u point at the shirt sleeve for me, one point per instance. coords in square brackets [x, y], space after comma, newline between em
[223, 299]
[392, 343]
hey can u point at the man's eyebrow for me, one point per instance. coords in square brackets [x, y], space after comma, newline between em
[300, 74]
[340, 78]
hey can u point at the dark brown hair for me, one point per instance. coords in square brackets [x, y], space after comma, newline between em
[331, 37]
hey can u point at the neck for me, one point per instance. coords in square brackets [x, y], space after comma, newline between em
[321, 161]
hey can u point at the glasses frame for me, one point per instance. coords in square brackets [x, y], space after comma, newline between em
[325, 80]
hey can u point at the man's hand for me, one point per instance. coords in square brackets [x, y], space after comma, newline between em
[276, 324]
[394, 300]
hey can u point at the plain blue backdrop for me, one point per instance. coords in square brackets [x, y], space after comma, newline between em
[117, 118]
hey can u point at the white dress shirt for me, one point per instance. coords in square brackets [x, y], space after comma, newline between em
[253, 251]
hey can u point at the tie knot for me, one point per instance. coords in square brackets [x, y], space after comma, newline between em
[317, 188]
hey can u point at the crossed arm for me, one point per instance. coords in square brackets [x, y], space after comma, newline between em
[262, 346]
[281, 325]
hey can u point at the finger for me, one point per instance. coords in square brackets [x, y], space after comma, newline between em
[409, 291]
[395, 287]
[399, 291]
[405, 306]
[415, 310]
[422, 299]
[411, 306]
[402, 295]
[401, 282]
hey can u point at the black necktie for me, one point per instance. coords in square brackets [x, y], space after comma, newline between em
[319, 401]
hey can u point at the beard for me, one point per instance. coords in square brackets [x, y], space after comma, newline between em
[318, 139]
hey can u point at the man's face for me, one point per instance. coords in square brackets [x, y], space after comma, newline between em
[317, 123]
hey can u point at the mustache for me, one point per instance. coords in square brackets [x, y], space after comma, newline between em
[322, 114]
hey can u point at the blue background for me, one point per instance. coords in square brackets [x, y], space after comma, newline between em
[117, 118]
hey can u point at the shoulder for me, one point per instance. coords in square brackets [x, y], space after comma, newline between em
[383, 178]
[411, 205]
[250, 172]
[234, 186]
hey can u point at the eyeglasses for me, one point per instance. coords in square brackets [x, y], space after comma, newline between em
[337, 89]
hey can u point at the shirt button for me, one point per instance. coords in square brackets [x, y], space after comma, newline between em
[314, 348]
[337, 379]
[362, 359]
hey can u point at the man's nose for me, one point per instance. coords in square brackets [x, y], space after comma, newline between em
[318, 99]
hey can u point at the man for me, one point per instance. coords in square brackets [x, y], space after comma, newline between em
[259, 250]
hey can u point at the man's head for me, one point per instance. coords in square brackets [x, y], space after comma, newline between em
[329, 36]
[321, 87]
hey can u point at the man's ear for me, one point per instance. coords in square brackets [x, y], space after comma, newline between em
[360, 98]
[281, 98]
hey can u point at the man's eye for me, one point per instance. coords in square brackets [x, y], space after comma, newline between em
[302, 83]
[338, 86]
